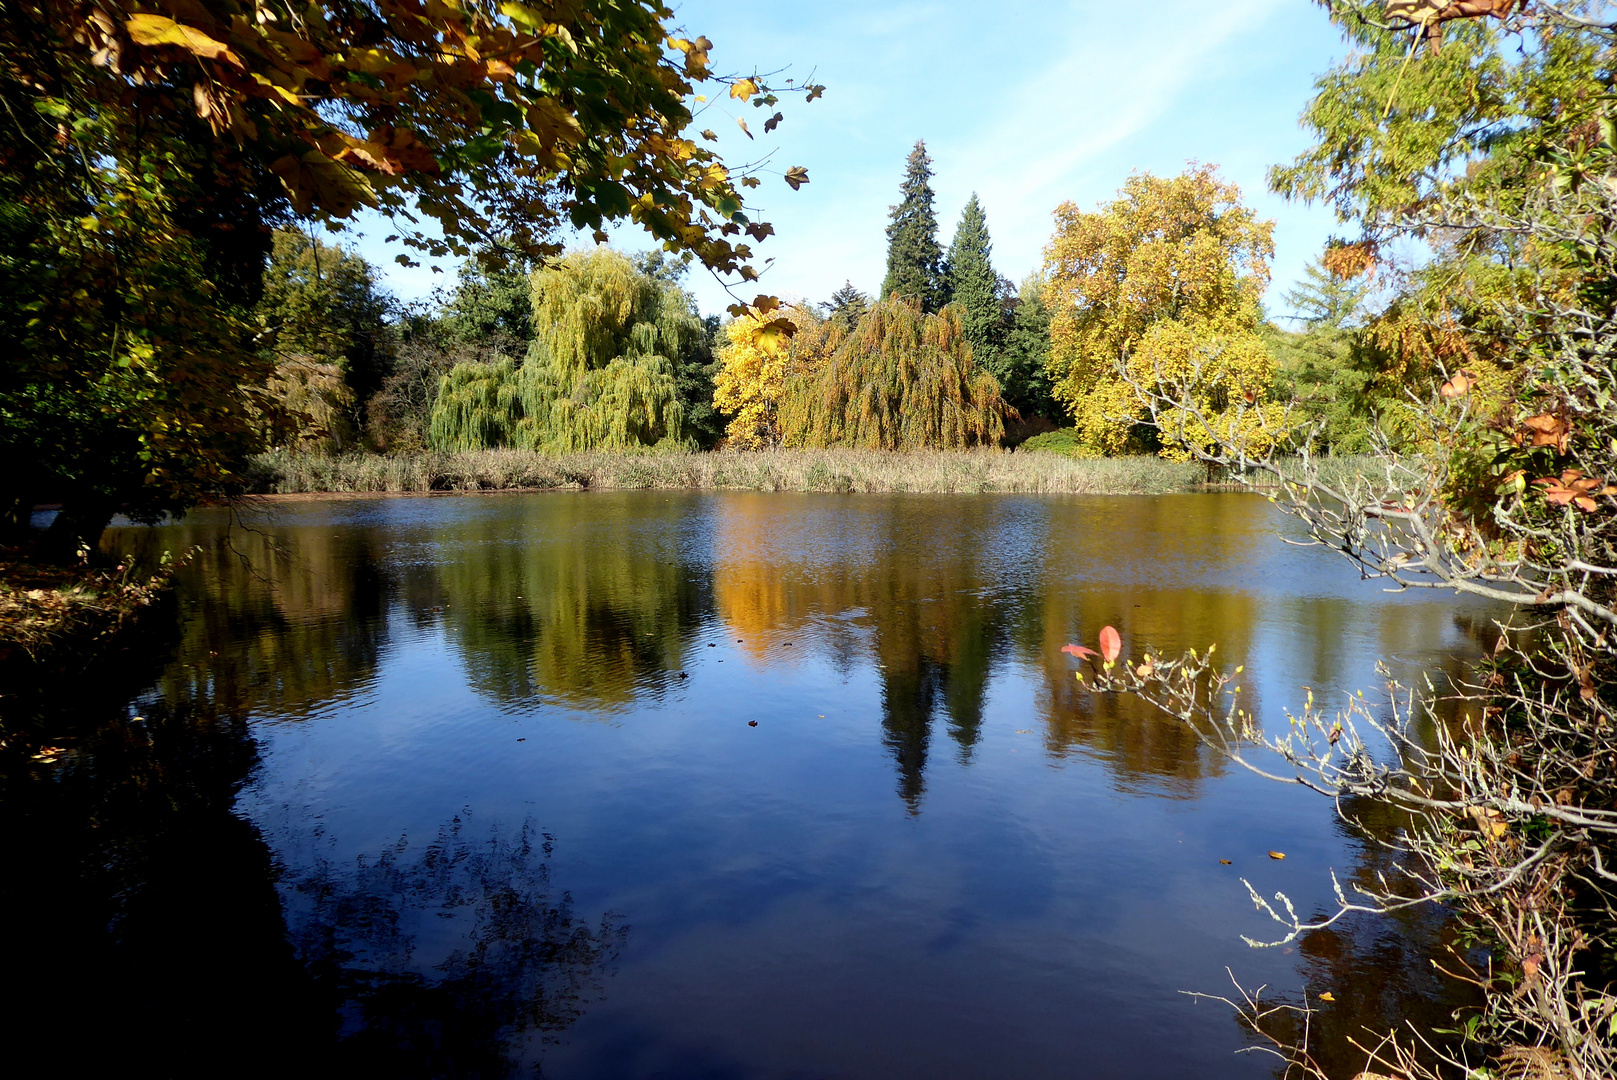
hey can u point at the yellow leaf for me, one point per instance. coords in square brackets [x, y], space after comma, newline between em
[743, 125]
[1277, 854]
[521, 13]
[147, 29]
[743, 89]
[1327, 996]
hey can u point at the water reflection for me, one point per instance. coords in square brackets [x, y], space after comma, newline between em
[141, 903]
[451, 960]
[598, 604]
[373, 707]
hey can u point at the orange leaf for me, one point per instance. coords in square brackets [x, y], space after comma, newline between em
[1081, 652]
[1111, 645]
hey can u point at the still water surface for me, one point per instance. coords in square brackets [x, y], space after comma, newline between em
[717, 785]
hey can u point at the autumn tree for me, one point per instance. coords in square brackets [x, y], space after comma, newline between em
[1497, 155]
[599, 374]
[903, 380]
[754, 362]
[147, 151]
[914, 260]
[1163, 282]
[974, 285]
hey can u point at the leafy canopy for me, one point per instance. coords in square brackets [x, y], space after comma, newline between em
[492, 119]
[904, 380]
[600, 373]
[1395, 127]
[1166, 281]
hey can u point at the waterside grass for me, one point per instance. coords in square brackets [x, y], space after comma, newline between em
[767, 470]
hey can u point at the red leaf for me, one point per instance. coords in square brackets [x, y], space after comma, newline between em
[1111, 645]
[1080, 652]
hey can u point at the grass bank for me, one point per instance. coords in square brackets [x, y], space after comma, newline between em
[769, 470]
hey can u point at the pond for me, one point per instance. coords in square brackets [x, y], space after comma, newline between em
[651, 784]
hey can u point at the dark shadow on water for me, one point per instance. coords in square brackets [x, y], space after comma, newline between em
[150, 929]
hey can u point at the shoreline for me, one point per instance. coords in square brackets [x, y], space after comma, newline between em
[842, 471]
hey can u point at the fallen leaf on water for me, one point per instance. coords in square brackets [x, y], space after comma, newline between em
[1224, 862]
[1024, 731]
[1327, 996]
[1277, 854]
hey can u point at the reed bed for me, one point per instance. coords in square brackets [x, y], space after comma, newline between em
[764, 470]
[761, 470]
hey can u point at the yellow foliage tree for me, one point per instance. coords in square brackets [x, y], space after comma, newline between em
[1161, 287]
[903, 380]
[753, 368]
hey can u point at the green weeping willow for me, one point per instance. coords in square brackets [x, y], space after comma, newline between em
[903, 380]
[598, 375]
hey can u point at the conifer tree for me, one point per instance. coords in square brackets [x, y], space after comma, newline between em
[846, 307]
[914, 260]
[974, 285]
[1019, 363]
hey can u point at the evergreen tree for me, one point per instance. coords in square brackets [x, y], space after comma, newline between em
[846, 307]
[914, 260]
[974, 285]
[1019, 363]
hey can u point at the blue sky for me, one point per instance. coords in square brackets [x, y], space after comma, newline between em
[1028, 104]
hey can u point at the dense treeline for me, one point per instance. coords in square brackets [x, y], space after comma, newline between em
[155, 158]
[182, 305]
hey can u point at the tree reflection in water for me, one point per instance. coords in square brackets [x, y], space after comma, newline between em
[139, 905]
[459, 956]
[451, 963]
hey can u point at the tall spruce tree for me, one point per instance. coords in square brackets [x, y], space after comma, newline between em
[914, 260]
[974, 285]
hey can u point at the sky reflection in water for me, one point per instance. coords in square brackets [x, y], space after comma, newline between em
[507, 770]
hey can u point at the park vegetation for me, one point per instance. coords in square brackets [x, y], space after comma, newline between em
[181, 331]
[1491, 145]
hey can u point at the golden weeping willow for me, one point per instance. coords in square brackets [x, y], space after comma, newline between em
[599, 374]
[903, 380]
